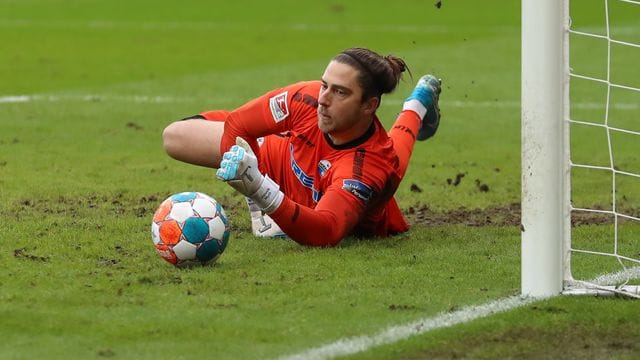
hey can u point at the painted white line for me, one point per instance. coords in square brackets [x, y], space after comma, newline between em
[506, 104]
[617, 278]
[9, 99]
[616, 30]
[397, 333]
[510, 104]
[221, 26]
[15, 99]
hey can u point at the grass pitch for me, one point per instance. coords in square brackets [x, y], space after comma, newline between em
[86, 89]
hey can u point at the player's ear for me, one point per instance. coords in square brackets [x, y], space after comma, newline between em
[371, 105]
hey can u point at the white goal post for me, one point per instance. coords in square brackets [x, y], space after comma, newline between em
[544, 216]
[546, 160]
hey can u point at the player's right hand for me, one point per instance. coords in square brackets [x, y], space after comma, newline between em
[239, 168]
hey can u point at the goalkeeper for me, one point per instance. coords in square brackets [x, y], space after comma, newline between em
[312, 158]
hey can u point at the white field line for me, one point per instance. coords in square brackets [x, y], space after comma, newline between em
[393, 334]
[617, 278]
[97, 24]
[228, 26]
[397, 333]
[10, 99]
[509, 104]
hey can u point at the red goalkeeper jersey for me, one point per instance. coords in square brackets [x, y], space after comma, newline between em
[331, 191]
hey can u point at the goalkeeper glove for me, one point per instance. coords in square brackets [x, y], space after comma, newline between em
[239, 168]
[262, 224]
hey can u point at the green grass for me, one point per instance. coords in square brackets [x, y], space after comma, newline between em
[561, 328]
[82, 170]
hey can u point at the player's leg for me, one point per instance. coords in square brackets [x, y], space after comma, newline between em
[194, 141]
[424, 100]
[418, 120]
[403, 133]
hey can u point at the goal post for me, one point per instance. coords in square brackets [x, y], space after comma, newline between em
[550, 115]
[545, 216]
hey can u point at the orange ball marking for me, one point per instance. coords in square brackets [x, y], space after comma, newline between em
[170, 232]
[163, 211]
[166, 253]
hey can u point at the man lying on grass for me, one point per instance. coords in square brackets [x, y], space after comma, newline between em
[312, 158]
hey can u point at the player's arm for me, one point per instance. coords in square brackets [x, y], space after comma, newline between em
[336, 214]
[271, 113]
[339, 210]
[204, 142]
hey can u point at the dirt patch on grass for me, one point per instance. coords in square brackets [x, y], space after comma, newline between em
[576, 342]
[96, 207]
[24, 255]
[499, 215]
[123, 204]
[505, 215]
[119, 203]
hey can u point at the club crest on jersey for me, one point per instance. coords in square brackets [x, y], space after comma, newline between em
[359, 189]
[279, 107]
[323, 167]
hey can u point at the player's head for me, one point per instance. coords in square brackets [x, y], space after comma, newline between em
[352, 86]
[377, 74]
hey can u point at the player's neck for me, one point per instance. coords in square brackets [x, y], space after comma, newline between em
[353, 138]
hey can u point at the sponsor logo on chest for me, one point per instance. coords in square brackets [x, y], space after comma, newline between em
[323, 167]
[305, 179]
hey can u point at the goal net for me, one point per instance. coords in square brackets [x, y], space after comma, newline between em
[580, 147]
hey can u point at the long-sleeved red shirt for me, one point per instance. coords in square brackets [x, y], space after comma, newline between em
[331, 191]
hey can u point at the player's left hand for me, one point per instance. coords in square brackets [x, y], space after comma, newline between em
[239, 168]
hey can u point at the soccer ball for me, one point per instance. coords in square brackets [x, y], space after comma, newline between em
[190, 228]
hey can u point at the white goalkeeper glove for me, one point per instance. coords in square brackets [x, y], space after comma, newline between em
[262, 224]
[239, 168]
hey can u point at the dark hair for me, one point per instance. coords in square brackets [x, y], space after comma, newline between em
[378, 74]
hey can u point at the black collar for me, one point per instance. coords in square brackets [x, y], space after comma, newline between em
[355, 142]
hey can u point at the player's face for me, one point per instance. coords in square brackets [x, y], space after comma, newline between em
[341, 112]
